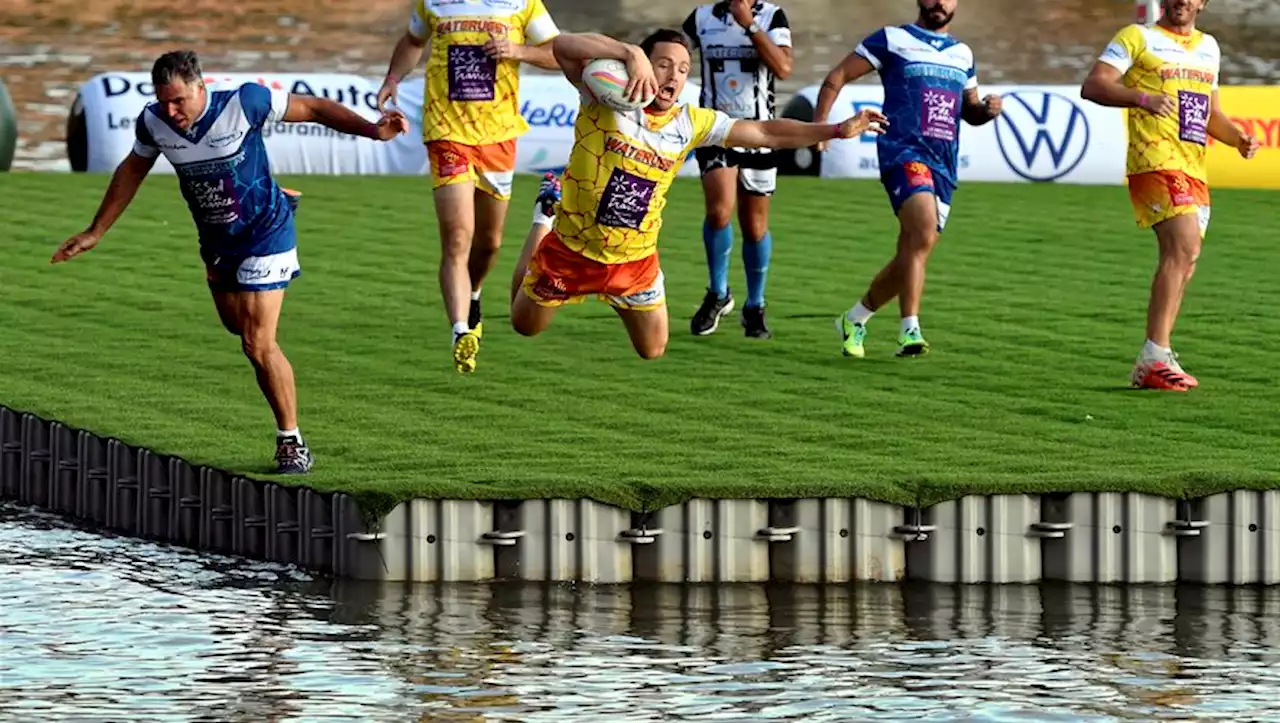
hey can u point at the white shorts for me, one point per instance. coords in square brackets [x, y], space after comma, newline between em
[252, 273]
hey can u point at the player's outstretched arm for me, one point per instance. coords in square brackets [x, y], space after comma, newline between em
[1224, 131]
[314, 109]
[785, 133]
[124, 185]
[574, 50]
[1105, 86]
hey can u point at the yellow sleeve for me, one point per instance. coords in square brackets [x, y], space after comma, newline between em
[710, 127]
[539, 28]
[421, 21]
[1123, 50]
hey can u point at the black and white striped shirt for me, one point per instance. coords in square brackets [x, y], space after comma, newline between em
[735, 79]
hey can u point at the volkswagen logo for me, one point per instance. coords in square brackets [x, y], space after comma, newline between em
[1043, 136]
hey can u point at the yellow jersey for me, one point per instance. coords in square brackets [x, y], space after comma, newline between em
[622, 164]
[1183, 67]
[471, 98]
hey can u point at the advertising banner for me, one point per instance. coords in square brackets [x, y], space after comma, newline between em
[1256, 110]
[1046, 134]
[101, 130]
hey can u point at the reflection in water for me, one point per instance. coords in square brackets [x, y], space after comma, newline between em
[114, 628]
[50, 47]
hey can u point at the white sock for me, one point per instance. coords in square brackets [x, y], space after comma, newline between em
[859, 314]
[540, 218]
[282, 433]
[909, 323]
[460, 328]
[475, 295]
[1152, 351]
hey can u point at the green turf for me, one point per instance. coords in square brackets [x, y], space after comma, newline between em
[1034, 307]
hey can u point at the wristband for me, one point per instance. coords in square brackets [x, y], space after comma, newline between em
[1142, 100]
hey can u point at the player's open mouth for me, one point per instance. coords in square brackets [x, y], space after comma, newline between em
[668, 92]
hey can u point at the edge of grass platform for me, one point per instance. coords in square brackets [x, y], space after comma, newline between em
[376, 500]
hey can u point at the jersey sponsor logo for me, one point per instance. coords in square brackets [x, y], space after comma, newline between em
[918, 176]
[473, 75]
[730, 52]
[643, 156]
[225, 139]
[1193, 117]
[625, 201]
[467, 25]
[940, 114]
[1043, 136]
[1115, 51]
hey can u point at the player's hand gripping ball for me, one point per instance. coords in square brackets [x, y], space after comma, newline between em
[609, 81]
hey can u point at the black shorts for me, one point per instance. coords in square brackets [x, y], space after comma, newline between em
[757, 172]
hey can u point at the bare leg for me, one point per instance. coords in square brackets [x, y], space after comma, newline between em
[649, 330]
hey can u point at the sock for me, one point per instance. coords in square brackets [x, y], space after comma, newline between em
[282, 433]
[719, 244]
[909, 323]
[460, 328]
[475, 295]
[1152, 351]
[540, 218]
[755, 259]
[859, 314]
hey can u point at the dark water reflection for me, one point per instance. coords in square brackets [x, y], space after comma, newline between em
[49, 47]
[101, 628]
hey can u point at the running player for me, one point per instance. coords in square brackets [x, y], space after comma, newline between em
[605, 233]
[470, 122]
[243, 219]
[743, 46]
[1167, 75]
[930, 84]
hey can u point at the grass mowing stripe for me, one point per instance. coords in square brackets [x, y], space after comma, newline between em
[1035, 307]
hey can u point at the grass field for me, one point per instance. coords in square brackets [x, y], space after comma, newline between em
[1034, 306]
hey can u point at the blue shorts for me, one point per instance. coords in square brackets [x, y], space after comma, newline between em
[251, 273]
[904, 180]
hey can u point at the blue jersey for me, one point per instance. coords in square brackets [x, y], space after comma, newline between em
[223, 171]
[925, 75]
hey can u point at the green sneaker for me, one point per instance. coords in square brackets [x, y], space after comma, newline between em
[853, 335]
[912, 343]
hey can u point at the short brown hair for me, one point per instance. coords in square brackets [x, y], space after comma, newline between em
[665, 35]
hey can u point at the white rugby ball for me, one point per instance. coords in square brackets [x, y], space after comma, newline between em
[607, 80]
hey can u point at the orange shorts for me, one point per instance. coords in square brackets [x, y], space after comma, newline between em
[1161, 195]
[558, 275]
[490, 167]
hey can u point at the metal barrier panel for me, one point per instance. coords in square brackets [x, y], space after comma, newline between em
[1239, 545]
[1116, 537]
[834, 540]
[556, 540]
[707, 541]
[979, 539]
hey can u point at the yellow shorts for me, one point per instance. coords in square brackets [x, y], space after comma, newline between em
[1161, 195]
[492, 167]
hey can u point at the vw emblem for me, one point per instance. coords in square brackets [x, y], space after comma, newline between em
[1043, 136]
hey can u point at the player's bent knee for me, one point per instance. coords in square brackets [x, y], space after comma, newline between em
[258, 347]
[649, 352]
[719, 215]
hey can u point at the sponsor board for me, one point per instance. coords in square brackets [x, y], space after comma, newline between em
[1045, 134]
[108, 106]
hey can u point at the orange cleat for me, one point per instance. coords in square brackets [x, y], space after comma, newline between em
[1161, 375]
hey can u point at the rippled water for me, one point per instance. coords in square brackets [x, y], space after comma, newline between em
[101, 628]
[48, 48]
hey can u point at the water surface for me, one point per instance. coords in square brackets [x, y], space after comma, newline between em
[96, 627]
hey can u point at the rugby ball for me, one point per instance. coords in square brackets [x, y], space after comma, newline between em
[607, 80]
